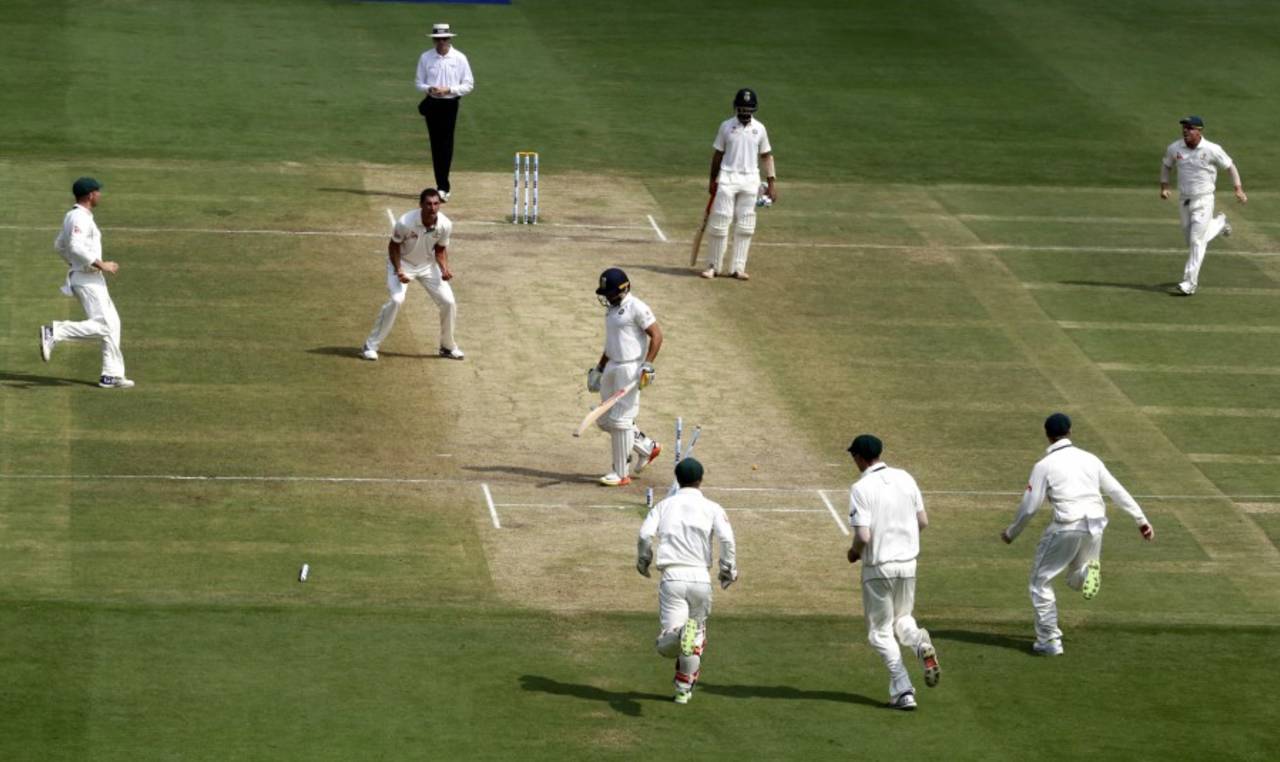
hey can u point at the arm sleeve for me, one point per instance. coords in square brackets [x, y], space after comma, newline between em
[764, 141]
[1032, 499]
[445, 230]
[420, 80]
[728, 548]
[718, 143]
[857, 511]
[1167, 161]
[468, 82]
[1236, 182]
[1164, 173]
[1120, 496]
[400, 232]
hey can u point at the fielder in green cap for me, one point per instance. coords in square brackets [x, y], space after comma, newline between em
[683, 525]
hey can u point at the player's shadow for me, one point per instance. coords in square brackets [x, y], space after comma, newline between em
[785, 693]
[28, 381]
[1159, 288]
[367, 192]
[993, 639]
[624, 702]
[354, 353]
[547, 478]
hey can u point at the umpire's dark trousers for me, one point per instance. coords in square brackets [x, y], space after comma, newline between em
[442, 116]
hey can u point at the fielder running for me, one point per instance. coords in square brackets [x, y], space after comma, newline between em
[418, 250]
[632, 338]
[79, 243]
[1072, 480]
[741, 150]
[683, 525]
[886, 513]
[1198, 161]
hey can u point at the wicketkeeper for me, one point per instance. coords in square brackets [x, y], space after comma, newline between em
[683, 525]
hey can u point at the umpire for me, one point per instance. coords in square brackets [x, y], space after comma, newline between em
[444, 76]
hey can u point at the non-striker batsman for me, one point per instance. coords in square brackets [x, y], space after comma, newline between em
[742, 150]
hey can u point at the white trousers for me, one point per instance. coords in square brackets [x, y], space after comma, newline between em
[887, 604]
[1058, 552]
[678, 602]
[102, 323]
[1199, 227]
[620, 421]
[735, 201]
[437, 288]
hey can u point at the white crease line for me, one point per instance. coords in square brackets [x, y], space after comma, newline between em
[656, 229]
[834, 515]
[412, 481]
[1085, 325]
[488, 498]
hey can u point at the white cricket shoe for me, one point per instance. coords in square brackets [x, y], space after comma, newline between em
[1052, 648]
[905, 702]
[682, 697]
[642, 462]
[46, 342]
[451, 354]
[1226, 226]
[444, 196]
[613, 480]
[368, 353]
[1186, 289]
[742, 275]
[115, 382]
[708, 273]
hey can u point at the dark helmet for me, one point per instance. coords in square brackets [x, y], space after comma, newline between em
[746, 98]
[613, 283]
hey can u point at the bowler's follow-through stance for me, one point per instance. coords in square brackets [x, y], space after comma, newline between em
[418, 250]
[632, 338]
[682, 526]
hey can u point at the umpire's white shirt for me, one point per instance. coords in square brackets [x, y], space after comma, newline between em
[1072, 480]
[418, 242]
[1197, 167]
[886, 501]
[742, 145]
[625, 339]
[451, 70]
[683, 525]
[79, 242]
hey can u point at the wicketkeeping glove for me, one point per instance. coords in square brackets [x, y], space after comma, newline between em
[647, 372]
[642, 565]
[594, 375]
[727, 577]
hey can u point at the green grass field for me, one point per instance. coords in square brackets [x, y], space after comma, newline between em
[969, 237]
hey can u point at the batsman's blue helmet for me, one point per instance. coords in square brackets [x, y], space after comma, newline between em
[613, 282]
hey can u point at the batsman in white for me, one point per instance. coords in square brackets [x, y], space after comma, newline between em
[741, 150]
[632, 338]
[1198, 161]
[682, 526]
[886, 512]
[1072, 480]
[418, 250]
[79, 243]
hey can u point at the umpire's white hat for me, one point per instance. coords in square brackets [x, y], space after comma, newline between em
[440, 30]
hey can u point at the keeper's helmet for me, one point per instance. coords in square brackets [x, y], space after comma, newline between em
[746, 99]
[613, 285]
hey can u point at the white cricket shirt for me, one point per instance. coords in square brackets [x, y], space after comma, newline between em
[79, 242]
[886, 501]
[625, 339]
[1072, 480]
[452, 70]
[742, 145]
[1197, 167]
[683, 525]
[418, 242]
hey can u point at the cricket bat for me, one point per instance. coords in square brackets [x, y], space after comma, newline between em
[697, 237]
[604, 407]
